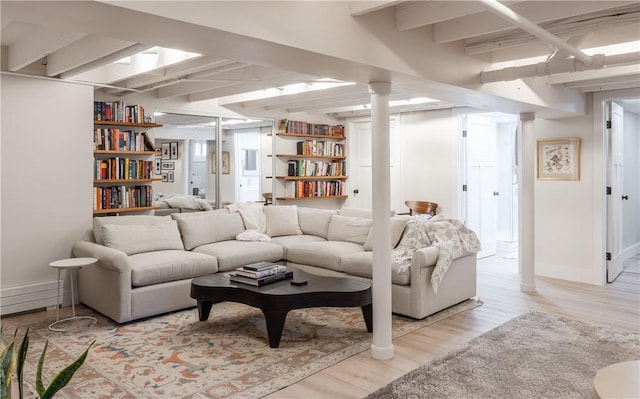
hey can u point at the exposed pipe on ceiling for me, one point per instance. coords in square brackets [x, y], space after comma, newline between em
[508, 14]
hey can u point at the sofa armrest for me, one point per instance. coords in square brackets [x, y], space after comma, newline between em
[425, 257]
[108, 258]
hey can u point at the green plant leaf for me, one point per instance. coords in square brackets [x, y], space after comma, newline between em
[63, 378]
[9, 360]
[39, 385]
[22, 355]
[4, 392]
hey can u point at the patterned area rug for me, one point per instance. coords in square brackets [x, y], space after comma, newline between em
[177, 356]
[536, 355]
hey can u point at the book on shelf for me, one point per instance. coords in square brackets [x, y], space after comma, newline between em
[258, 282]
[259, 266]
[263, 272]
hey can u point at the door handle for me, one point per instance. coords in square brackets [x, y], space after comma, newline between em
[495, 193]
[625, 197]
[356, 191]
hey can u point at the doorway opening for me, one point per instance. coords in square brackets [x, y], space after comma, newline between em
[490, 181]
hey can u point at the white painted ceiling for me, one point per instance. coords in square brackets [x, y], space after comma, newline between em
[72, 40]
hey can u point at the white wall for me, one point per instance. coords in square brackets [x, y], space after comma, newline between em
[46, 205]
[564, 209]
[429, 153]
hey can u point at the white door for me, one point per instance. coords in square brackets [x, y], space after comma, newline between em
[615, 181]
[481, 181]
[197, 167]
[360, 164]
[247, 164]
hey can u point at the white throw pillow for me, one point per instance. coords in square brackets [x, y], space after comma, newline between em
[314, 221]
[210, 228]
[134, 239]
[282, 220]
[398, 224]
[345, 228]
[100, 221]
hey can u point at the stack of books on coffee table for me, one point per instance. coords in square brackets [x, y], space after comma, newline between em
[261, 273]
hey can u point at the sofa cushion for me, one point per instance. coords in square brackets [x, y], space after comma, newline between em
[325, 254]
[232, 254]
[197, 231]
[157, 267]
[361, 264]
[345, 228]
[289, 241]
[99, 222]
[359, 212]
[134, 239]
[315, 221]
[282, 220]
[188, 215]
[398, 224]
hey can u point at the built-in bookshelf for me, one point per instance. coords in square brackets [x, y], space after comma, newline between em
[123, 156]
[310, 161]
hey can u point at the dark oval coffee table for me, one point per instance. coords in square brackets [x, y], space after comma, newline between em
[277, 299]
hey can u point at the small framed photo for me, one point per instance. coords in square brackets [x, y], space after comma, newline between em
[170, 177]
[157, 169]
[168, 166]
[226, 162]
[559, 159]
[174, 150]
[165, 177]
[166, 151]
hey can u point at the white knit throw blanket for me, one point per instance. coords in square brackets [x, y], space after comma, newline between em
[452, 239]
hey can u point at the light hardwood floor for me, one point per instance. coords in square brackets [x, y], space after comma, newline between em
[616, 305]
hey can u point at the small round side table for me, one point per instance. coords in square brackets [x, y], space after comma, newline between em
[70, 265]
[619, 380]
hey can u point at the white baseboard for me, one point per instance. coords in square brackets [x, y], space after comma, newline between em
[631, 251]
[29, 297]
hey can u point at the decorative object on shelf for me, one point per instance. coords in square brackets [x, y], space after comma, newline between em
[226, 162]
[174, 150]
[166, 151]
[168, 166]
[559, 159]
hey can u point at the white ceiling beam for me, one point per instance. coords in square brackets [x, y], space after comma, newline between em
[153, 79]
[85, 50]
[605, 82]
[39, 43]
[95, 73]
[286, 99]
[354, 98]
[486, 23]
[357, 8]
[421, 13]
[223, 94]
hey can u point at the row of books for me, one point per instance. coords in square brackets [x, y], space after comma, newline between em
[260, 274]
[299, 127]
[305, 189]
[113, 197]
[307, 168]
[121, 140]
[320, 148]
[122, 168]
[117, 111]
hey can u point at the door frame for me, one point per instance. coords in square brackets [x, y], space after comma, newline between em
[599, 249]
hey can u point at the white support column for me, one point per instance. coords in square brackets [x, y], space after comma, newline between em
[526, 194]
[381, 345]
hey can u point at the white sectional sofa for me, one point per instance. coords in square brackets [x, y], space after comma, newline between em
[146, 263]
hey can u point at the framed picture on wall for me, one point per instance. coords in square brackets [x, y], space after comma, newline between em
[226, 162]
[170, 177]
[165, 177]
[174, 150]
[157, 169]
[168, 166]
[166, 151]
[559, 159]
